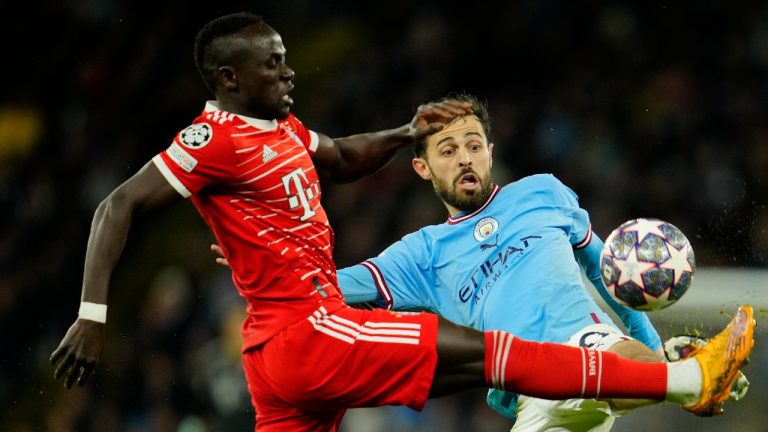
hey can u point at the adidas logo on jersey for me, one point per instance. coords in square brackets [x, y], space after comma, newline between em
[268, 154]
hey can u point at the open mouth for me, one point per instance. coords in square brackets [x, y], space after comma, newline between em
[287, 99]
[468, 181]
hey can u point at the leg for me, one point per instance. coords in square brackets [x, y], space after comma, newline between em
[468, 358]
[550, 371]
[460, 359]
[582, 414]
[634, 350]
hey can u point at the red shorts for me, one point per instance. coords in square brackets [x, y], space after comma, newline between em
[306, 376]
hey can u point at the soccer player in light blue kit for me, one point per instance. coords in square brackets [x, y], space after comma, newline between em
[507, 258]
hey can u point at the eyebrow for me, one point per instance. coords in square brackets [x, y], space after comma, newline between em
[465, 135]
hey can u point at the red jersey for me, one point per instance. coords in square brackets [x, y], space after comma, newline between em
[254, 183]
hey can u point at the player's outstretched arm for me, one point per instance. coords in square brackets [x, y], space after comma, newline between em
[353, 157]
[79, 350]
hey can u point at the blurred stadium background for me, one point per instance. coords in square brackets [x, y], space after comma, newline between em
[656, 109]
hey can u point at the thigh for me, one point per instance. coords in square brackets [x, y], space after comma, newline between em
[347, 358]
[274, 413]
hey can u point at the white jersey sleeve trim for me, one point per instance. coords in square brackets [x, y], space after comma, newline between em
[381, 283]
[166, 172]
[314, 141]
[586, 240]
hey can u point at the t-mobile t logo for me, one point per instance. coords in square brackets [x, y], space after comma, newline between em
[302, 196]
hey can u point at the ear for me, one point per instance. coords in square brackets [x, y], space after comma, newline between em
[422, 168]
[226, 78]
[490, 153]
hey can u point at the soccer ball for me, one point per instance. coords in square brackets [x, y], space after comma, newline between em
[647, 264]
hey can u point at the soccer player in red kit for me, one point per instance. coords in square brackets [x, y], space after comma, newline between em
[252, 170]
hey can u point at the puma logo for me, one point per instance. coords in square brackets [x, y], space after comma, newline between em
[491, 245]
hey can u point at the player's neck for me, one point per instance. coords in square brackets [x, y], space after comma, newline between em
[234, 107]
[453, 211]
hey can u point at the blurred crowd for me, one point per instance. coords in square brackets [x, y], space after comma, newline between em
[645, 109]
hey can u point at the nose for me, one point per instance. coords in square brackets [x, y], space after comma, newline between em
[287, 74]
[465, 158]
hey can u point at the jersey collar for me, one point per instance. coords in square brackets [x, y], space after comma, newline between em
[454, 220]
[212, 105]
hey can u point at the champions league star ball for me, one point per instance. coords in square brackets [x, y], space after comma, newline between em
[647, 264]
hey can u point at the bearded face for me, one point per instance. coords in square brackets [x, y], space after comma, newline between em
[458, 162]
[466, 192]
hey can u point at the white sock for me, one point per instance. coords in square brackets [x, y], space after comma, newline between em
[684, 382]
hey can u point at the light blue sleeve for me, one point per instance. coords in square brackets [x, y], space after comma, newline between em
[358, 287]
[579, 229]
[396, 279]
[637, 323]
[587, 248]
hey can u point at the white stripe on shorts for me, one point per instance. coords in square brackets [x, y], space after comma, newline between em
[349, 331]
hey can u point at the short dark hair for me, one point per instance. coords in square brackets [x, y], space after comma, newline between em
[479, 109]
[222, 26]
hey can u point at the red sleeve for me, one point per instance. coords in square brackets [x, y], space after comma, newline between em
[200, 155]
[306, 136]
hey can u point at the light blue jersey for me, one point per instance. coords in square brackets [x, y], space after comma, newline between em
[507, 266]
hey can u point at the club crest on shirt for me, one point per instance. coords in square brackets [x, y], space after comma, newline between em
[196, 135]
[485, 228]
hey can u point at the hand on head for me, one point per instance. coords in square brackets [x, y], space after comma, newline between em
[432, 117]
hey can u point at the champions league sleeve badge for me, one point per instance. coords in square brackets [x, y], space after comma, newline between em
[196, 136]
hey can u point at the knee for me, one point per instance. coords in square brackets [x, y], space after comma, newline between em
[635, 350]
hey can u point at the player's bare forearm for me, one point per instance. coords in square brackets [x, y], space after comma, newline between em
[350, 158]
[78, 352]
[364, 154]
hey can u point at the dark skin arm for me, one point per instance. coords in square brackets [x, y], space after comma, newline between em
[347, 159]
[80, 349]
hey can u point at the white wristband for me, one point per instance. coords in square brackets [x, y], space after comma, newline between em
[93, 312]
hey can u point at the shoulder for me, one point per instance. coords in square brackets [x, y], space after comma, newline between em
[203, 133]
[545, 179]
[418, 243]
[202, 140]
[209, 126]
[538, 182]
[291, 123]
[545, 186]
[417, 239]
[310, 139]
